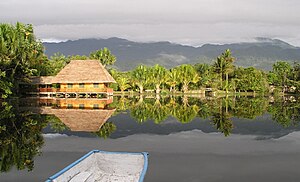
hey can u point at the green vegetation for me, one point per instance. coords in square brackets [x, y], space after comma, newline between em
[222, 77]
[22, 56]
[220, 111]
[104, 56]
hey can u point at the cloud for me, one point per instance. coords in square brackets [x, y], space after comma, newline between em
[189, 21]
[191, 34]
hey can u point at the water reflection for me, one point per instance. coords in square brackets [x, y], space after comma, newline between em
[220, 111]
[88, 115]
[20, 138]
[21, 126]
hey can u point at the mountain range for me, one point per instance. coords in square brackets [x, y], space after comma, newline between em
[262, 53]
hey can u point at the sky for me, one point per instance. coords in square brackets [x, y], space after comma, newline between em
[190, 22]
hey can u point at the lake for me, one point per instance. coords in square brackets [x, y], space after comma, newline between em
[188, 138]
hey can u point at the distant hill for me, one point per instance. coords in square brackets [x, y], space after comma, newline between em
[260, 54]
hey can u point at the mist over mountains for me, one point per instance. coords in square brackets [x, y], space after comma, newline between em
[260, 54]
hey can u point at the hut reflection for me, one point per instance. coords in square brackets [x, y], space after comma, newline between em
[86, 114]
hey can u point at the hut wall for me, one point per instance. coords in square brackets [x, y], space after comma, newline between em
[87, 104]
[88, 87]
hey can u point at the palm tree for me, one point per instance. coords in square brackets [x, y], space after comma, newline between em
[224, 66]
[188, 75]
[158, 76]
[122, 79]
[172, 79]
[104, 56]
[123, 83]
[139, 77]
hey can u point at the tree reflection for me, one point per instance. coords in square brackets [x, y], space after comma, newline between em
[140, 111]
[55, 123]
[222, 123]
[221, 115]
[220, 110]
[20, 138]
[159, 112]
[185, 114]
[250, 108]
[285, 112]
[106, 130]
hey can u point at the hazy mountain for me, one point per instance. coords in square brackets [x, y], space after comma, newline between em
[261, 54]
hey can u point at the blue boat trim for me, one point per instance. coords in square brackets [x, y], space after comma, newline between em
[145, 166]
[143, 173]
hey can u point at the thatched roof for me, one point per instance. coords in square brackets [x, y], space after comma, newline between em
[83, 71]
[42, 80]
[83, 119]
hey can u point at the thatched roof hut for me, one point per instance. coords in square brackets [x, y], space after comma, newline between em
[83, 71]
[41, 80]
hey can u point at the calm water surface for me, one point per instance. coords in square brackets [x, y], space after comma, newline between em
[188, 139]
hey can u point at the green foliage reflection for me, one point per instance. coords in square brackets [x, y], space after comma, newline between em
[20, 138]
[106, 130]
[219, 110]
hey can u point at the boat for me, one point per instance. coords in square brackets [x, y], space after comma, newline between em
[105, 166]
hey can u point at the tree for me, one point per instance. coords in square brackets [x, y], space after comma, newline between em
[139, 77]
[104, 56]
[5, 86]
[296, 72]
[187, 75]
[224, 66]
[204, 71]
[20, 53]
[78, 57]
[295, 77]
[251, 79]
[158, 76]
[282, 70]
[123, 83]
[172, 79]
[54, 65]
[122, 79]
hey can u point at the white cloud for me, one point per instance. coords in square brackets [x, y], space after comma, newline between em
[192, 34]
[190, 21]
